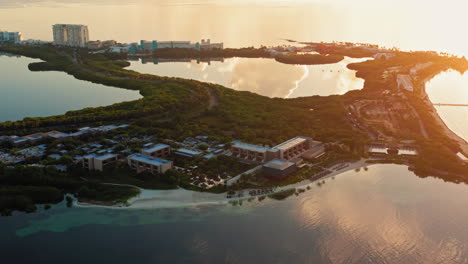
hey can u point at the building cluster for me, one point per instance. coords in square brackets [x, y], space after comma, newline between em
[142, 155]
[71, 35]
[380, 150]
[281, 160]
[39, 151]
[33, 138]
[145, 60]
[405, 81]
[149, 46]
[11, 37]
[97, 44]
[152, 158]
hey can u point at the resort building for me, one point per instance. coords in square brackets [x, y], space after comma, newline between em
[149, 46]
[187, 153]
[17, 141]
[279, 168]
[158, 151]
[207, 45]
[33, 138]
[291, 150]
[384, 149]
[294, 147]
[100, 44]
[13, 37]
[98, 162]
[57, 135]
[253, 153]
[119, 49]
[145, 163]
[70, 35]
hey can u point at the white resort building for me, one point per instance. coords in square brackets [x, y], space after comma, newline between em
[145, 163]
[291, 150]
[158, 150]
[98, 162]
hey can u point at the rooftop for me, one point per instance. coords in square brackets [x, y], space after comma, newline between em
[279, 164]
[100, 157]
[35, 136]
[106, 156]
[242, 145]
[188, 152]
[291, 143]
[149, 159]
[155, 148]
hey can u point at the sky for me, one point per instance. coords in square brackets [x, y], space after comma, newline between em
[408, 24]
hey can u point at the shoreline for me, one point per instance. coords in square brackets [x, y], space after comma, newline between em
[154, 199]
[447, 131]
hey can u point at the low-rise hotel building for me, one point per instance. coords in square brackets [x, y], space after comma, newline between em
[207, 45]
[145, 163]
[253, 153]
[188, 153]
[279, 168]
[97, 44]
[292, 149]
[158, 151]
[98, 162]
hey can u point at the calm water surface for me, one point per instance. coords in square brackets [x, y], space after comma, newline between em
[451, 88]
[383, 215]
[262, 76]
[33, 94]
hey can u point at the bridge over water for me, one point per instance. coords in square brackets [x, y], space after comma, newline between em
[439, 104]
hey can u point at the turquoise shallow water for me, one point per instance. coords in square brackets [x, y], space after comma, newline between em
[32, 94]
[383, 215]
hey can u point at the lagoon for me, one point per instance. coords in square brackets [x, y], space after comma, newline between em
[38, 94]
[260, 75]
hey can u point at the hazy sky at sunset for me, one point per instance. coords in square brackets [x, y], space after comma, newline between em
[408, 24]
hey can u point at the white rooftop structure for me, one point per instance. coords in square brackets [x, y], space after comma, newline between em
[291, 143]
[279, 164]
[155, 148]
[105, 156]
[378, 150]
[252, 147]
[189, 152]
[149, 159]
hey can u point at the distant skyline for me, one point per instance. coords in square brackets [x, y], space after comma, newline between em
[410, 25]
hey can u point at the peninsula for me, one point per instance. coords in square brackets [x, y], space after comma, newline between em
[197, 119]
